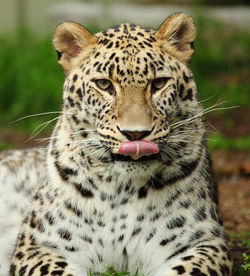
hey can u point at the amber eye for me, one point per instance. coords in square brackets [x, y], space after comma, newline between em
[105, 85]
[158, 84]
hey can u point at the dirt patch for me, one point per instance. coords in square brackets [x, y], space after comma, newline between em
[233, 177]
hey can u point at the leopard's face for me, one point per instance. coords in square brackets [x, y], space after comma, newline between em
[128, 85]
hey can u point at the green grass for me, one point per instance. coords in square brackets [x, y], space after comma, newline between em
[111, 272]
[6, 146]
[217, 141]
[244, 268]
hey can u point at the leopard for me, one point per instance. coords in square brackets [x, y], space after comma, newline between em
[126, 180]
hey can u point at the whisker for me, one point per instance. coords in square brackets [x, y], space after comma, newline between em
[44, 125]
[39, 114]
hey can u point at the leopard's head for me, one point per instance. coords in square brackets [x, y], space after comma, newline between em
[129, 94]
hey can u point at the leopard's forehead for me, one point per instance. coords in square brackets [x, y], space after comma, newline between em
[130, 54]
[126, 34]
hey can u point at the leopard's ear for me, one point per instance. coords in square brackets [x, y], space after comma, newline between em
[69, 40]
[178, 32]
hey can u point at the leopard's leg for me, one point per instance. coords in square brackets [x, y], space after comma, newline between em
[206, 259]
[30, 259]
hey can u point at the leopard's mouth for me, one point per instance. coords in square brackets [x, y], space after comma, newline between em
[127, 158]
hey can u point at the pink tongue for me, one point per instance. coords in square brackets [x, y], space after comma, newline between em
[137, 149]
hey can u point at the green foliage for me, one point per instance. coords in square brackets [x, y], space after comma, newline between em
[111, 272]
[246, 239]
[31, 80]
[6, 146]
[222, 142]
[246, 263]
[221, 63]
[244, 268]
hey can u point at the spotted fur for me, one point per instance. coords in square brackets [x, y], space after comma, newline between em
[98, 208]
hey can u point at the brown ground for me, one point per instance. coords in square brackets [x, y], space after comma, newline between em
[232, 169]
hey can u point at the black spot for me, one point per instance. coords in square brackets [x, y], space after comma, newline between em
[168, 240]
[71, 248]
[181, 89]
[213, 214]
[188, 167]
[33, 255]
[19, 255]
[197, 272]
[34, 267]
[212, 272]
[140, 218]
[103, 196]
[200, 214]
[72, 88]
[150, 56]
[142, 193]
[121, 238]
[201, 193]
[32, 240]
[57, 272]
[125, 29]
[64, 234]
[64, 172]
[79, 93]
[185, 204]
[101, 223]
[223, 248]
[196, 235]
[100, 241]
[44, 269]
[189, 95]
[156, 182]
[210, 247]
[187, 258]
[33, 219]
[50, 218]
[22, 270]
[87, 239]
[72, 208]
[75, 119]
[185, 170]
[176, 223]
[84, 192]
[12, 270]
[151, 235]
[180, 251]
[75, 78]
[180, 269]
[110, 45]
[112, 56]
[136, 231]
[155, 216]
[215, 231]
[185, 77]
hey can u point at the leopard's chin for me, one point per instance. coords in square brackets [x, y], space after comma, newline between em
[127, 158]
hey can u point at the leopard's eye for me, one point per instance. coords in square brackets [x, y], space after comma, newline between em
[105, 85]
[158, 84]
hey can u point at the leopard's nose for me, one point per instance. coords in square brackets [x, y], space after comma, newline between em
[133, 135]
